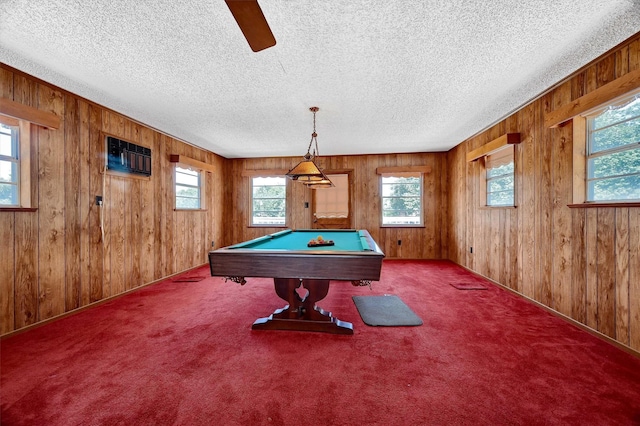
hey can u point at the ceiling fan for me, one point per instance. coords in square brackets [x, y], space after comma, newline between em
[252, 22]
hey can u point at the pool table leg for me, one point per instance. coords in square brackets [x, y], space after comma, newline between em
[302, 313]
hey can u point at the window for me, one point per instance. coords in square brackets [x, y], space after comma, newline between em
[613, 152]
[500, 178]
[402, 199]
[189, 185]
[496, 177]
[331, 203]
[17, 192]
[9, 166]
[268, 201]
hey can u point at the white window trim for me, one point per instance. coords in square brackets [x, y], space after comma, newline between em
[422, 208]
[510, 149]
[24, 163]
[580, 155]
[14, 160]
[201, 187]
[286, 216]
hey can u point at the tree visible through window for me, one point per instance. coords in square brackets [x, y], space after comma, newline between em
[500, 169]
[9, 166]
[613, 152]
[402, 199]
[268, 201]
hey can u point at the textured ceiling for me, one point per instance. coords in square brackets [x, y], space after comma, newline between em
[388, 76]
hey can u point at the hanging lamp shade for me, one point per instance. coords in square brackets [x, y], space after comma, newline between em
[307, 171]
[324, 183]
[315, 182]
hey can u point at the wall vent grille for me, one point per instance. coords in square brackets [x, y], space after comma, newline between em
[127, 157]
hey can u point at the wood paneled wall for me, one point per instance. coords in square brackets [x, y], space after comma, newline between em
[581, 262]
[53, 260]
[417, 243]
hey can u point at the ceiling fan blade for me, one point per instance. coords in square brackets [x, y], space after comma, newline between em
[252, 22]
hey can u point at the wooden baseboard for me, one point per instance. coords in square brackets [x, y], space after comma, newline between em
[570, 320]
[91, 305]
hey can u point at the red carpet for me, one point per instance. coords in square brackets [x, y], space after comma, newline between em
[183, 353]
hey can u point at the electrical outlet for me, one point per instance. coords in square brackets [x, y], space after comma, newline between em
[399, 242]
[306, 204]
[470, 249]
[98, 200]
[212, 244]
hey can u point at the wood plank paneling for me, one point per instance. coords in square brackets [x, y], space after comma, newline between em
[622, 275]
[168, 205]
[634, 278]
[55, 259]
[7, 272]
[24, 112]
[97, 182]
[526, 186]
[134, 231]
[544, 214]
[26, 269]
[86, 203]
[606, 261]
[511, 259]
[147, 258]
[118, 234]
[6, 84]
[561, 158]
[634, 55]
[581, 262]
[51, 210]
[107, 236]
[579, 265]
[604, 71]
[591, 250]
[421, 242]
[72, 192]
[26, 224]
[471, 211]
[158, 206]
[7, 234]
[456, 248]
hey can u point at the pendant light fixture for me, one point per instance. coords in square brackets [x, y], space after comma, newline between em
[307, 171]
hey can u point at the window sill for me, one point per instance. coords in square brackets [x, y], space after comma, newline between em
[268, 226]
[594, 204]
[402, 226]
[18, 209]
[189, 210]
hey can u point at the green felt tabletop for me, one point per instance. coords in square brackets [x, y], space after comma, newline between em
[349, 240]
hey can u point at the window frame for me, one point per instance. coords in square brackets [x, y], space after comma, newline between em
[507, 150]
[23, 141]
[581, 147]
[285, 198]
[13, 160]
[201, 187]
[420, 176]
[589, 141]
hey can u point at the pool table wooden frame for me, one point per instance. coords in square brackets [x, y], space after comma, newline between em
[291, 269]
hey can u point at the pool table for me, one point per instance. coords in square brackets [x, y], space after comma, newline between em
[302, 273]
